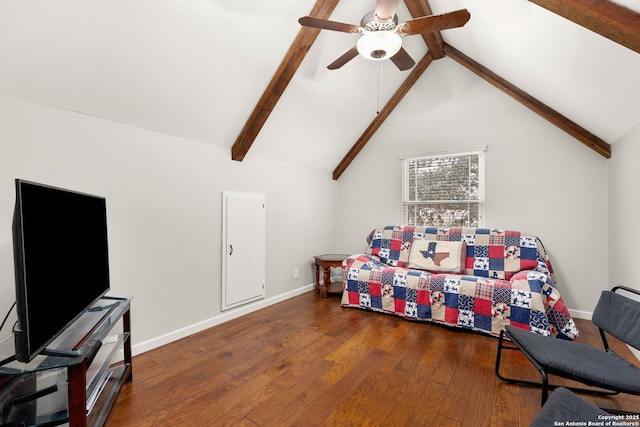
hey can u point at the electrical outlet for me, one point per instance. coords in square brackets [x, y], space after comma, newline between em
[296, 274]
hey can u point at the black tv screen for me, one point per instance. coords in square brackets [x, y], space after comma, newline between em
[61, 261]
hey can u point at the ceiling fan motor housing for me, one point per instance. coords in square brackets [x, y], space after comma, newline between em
[379, 40]
[371, 22]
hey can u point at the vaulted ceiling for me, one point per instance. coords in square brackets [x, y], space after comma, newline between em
[245, 75]
[613, 21]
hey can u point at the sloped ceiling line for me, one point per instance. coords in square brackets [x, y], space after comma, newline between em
[437, 49]
[610, 20]
[516, 93]
[290, 64]
[393, 102]
[280, 80]
[435, 45]
[562, 122]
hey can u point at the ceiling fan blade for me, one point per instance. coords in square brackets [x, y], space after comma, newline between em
[348, 56]
[403, 60]
[428, 24]
[386, 9]
[324, 24]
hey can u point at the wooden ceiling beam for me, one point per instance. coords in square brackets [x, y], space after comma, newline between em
[587, 138]
[280, 80]
[413, 77]
[418, 8]
[611, 20]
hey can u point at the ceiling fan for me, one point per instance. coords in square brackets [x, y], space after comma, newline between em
[380, 33]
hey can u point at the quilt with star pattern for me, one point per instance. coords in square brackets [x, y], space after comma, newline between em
[506, 278]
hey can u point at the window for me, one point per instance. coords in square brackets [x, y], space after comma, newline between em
[444, 189]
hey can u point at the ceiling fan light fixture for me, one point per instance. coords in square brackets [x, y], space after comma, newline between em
[379, 45]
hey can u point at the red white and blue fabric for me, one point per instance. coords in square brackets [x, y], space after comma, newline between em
[507, 279]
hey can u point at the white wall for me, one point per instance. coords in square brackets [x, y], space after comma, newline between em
[538, 178]
[624, 206]
[164, 211]
[624, 209]
[164, 196]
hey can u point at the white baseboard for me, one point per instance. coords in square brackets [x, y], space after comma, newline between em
[580, 314]
[216, 320]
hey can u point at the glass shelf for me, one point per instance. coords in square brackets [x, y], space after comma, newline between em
[108, 308]
[99, 369]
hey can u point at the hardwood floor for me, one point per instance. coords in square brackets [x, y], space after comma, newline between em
[307, 361]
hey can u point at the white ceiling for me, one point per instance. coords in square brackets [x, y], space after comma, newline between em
[197, 68]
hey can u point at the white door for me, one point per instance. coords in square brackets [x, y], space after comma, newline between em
[243, 248]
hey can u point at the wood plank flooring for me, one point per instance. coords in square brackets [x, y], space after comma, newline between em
[309, 362]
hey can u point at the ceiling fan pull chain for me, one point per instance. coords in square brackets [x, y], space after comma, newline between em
[380, 70]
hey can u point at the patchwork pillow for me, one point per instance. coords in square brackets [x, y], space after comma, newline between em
[438, 256]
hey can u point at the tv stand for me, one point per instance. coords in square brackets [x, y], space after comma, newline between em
[83, 365]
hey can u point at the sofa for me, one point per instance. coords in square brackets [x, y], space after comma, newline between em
[477, 279]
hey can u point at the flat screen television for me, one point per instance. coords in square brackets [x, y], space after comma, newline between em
[61, 261]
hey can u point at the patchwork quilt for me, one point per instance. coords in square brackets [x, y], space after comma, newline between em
[490, 279]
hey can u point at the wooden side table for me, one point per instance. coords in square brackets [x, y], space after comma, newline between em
[325, 262]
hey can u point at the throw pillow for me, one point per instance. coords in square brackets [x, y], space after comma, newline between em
[438, 256]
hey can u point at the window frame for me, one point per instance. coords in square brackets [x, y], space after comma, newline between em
[406, 202]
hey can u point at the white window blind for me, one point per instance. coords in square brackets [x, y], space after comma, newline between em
[444, 189]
